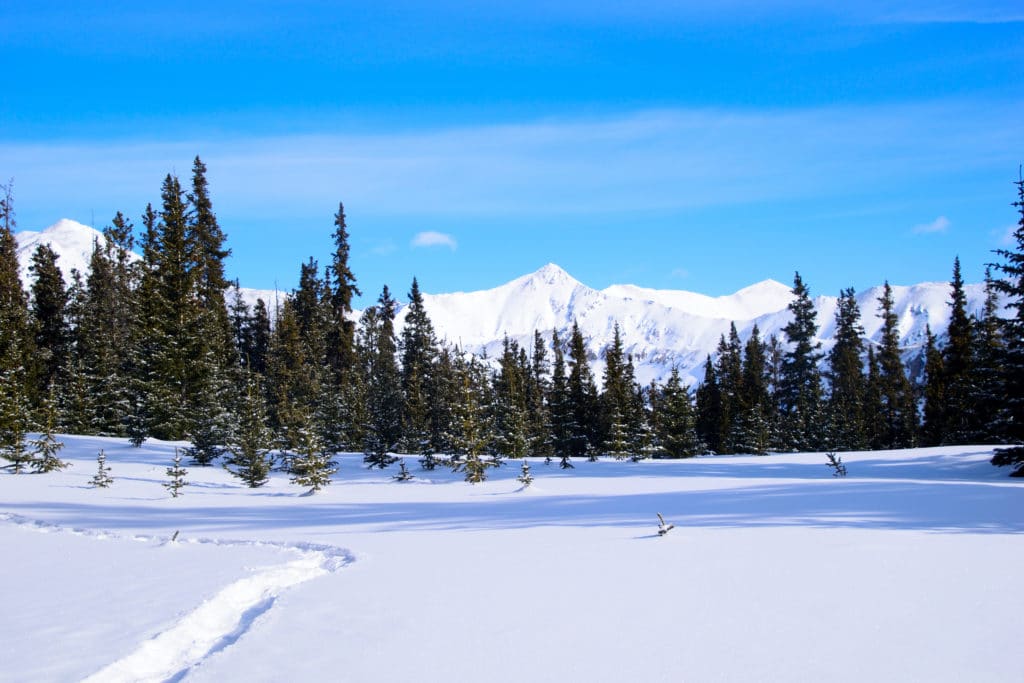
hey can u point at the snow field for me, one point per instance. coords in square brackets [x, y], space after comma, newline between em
[904, 570]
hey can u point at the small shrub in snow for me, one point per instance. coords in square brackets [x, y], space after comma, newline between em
[177, 476]
[46, 447]
[403, 473]
[313, 467]
[836, 463]
[102, 478]
[524, 476]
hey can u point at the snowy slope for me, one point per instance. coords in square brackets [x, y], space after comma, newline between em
[71, 240]
[660, 328]
[904, 570]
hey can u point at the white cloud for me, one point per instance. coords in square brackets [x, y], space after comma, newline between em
[940, 224]
[434, 239]
[1007, 236]
[680, 273]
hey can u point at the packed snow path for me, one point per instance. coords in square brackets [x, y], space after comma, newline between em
[217, 623]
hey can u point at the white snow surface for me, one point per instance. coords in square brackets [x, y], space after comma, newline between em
[904, 570]
[660, 329]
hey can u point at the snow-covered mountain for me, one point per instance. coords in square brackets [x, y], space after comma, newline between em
[660, 328]
[663, 328]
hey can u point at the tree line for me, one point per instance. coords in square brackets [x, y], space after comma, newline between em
[166, 348]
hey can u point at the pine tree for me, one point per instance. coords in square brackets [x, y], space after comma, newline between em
[675, 424]
[846, 402]
[49, 322]
[313, 467]
[525, 478]
[473, 423]
[403, 473]
[708, 400]
[958, 368]
[729, 377]
[559, 407]
[752, 431]
[991, 416]
[383, 382]
[419, 356]
[341, 340]
[898, 408]
[46, 447]
[538, 388]
[102, 478]
[15, 336]
[582, 395]
[933, 427]
[176, 476]
[511, 410]
[1011, 285]
[248, 451]
[14, 418]
[799, 391]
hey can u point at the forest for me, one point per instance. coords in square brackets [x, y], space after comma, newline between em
[166, 348]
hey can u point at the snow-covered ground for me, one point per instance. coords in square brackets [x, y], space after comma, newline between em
[907, 569]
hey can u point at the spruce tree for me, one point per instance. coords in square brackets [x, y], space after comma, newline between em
[248, 451]
[729, 376]
[383, 382]
[538, 388]
[958, 368]
[846, 401]
[708, 418]
[403, 473]
[176, 476]
[46, 447]
[102, 478]
[49, 301]
[473, 423]
[559, 406]
[934, 423]
[800, 391]
[14, 418]
[511, 410]
[898, 408]
[991, 416]
[15, 336]
[676, 427]
[419, 356]
[525, 478]
[1011, 286]
[752, 430]
[313, 467]
[582, 395]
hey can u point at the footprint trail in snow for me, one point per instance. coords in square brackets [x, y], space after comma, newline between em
[221, 620]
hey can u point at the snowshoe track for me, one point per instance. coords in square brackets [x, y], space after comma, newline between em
[219, 621]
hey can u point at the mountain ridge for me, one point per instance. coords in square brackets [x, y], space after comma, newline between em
[660, 329]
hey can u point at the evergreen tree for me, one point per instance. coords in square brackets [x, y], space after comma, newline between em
[102, 478]
[419, 356]
[383, 382]
[46, 447]
[898, 408]
[403, 473]
[525, 478]
[15, 337]
[473, 423]
[709, 409]
[846, 403]
[538, 388]
[559, 406]
[1011, 285]
[991, 416]
[729, 377]
[313, 467]
[676, 427]
[14, 417]
[958, 422]
[799, 391]
[49, 320]
[933, 427]
[752, 431]
[248, 451]
[341, 340]
[176, 476]
[511, 410]
[582, 395]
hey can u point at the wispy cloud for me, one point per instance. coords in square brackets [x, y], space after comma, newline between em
[663, 160]
[434, 239]
[1007, 235]
[940, 224]
[680, 273]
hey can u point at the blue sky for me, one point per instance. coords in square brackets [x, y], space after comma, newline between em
[665, 144]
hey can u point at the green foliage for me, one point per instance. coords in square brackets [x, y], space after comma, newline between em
[248, 451]
[897, 427]
[800, 392]
[846, 408]
[102, 478]
[313, 466]
[176, 476]
[46, 447]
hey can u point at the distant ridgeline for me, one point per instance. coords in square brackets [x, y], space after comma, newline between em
[161, 345]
